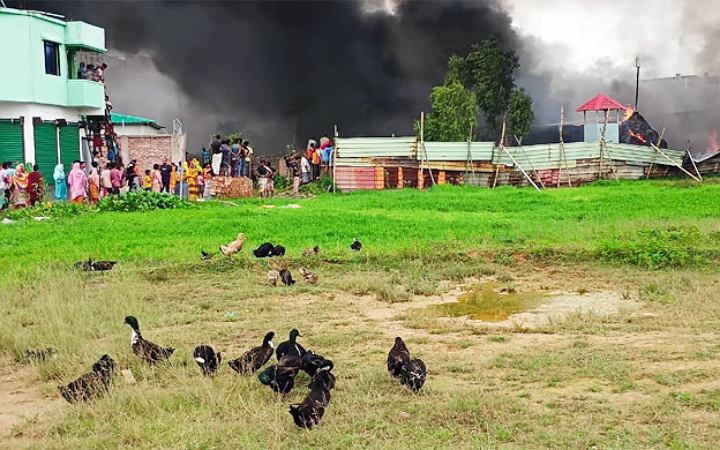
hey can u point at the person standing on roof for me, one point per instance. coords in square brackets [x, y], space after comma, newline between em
[216, 149]
[225, 164]
[248, 157]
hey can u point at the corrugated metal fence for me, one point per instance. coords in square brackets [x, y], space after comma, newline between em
[377, 162]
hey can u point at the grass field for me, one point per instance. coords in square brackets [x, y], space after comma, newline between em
[645, 377]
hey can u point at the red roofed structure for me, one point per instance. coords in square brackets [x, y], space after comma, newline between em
[601, 102]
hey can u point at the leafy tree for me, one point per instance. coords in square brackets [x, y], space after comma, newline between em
[454, 111]
[520, 114]
[488, 71]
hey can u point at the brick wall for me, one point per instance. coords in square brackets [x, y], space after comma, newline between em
[148, 150]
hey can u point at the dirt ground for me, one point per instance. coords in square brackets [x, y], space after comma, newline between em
[20, 396]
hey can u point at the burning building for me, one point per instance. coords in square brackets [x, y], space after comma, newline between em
[617, 144]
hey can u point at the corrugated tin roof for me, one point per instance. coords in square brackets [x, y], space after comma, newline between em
[601, 102]
[126, 119]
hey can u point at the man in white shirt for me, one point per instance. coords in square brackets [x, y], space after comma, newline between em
[305, 169]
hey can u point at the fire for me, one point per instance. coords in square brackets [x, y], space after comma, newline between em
[713, 144]
[629, 111]
[638, 136]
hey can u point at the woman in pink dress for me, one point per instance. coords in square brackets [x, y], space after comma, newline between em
[156, 178]
[77, 181]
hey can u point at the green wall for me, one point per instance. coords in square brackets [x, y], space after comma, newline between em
[22, 76]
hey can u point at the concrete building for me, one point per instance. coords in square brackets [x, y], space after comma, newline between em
[42, 101]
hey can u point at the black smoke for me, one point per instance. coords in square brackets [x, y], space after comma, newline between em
[285, 71]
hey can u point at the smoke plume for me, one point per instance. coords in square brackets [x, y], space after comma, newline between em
[281, 72]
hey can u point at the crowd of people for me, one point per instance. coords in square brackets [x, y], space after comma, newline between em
[23, 185]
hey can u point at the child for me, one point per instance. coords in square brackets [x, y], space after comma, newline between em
[147, 181]
[207, 181]
[156, 178]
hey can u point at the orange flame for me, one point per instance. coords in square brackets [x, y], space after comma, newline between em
[629, 111]
[638, 136]
[713, 144]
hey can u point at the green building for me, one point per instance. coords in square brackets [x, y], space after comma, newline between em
[42, 101]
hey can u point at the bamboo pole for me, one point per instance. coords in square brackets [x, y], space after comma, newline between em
[422, 144]
[602, 144]
[652, 161]
[560, 145]
[502, 147]
[692, 161]
[674, 163]
[532, 167]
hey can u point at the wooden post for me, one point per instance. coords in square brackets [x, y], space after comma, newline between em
[421, 179]
[497, 169]
[400, 183]
[379, 177]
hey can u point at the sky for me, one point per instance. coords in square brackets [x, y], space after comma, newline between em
[586, 32]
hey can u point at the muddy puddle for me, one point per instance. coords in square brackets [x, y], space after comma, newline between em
[484, 302]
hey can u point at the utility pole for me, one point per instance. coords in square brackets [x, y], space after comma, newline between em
[637, 81]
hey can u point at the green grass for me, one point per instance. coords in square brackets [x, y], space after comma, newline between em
[640, 380]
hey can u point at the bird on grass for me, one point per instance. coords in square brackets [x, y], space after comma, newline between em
[233, 247]
[411, 372]
[281, 376]
[147, 351]
[356, 245]
[85, 266]
[273, 277]
[313, 363]
[92, 384]
[205, 256]
[264, 250]
[290, 347]
[39, 355]
[207, 359]
[286, 277]
[103, 266]
[94, 266]
[252, 360]
[308, 276]
[308, 413]
[311, 251]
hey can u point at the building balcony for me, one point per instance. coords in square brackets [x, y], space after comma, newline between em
[86, 94]
[85, 36]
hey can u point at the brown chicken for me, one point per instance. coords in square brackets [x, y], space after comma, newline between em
[233, 247]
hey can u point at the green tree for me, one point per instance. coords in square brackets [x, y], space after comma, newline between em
[454, 111]
[520, 114]
[488, 71]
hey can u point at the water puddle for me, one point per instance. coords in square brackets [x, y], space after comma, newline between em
[484, 302]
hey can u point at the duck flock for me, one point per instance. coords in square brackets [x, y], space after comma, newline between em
[291, 356]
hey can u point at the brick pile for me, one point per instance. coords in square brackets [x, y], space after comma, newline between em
[228, 187]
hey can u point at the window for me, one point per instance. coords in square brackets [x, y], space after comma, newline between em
[52, 58]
